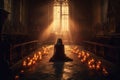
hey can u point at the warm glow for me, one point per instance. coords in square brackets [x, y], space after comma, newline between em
[104, 71]
[61, 17]
[65, 17]
[24, 63]
[61, 26]
[85, 57]
[37, 56]
[22, 71]
[17, 77]
[56, 17]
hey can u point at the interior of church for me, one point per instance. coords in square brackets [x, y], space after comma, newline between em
[59, 39]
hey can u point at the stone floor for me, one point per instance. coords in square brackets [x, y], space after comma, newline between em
[75, 70]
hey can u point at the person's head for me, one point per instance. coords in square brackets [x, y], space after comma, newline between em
[59, 41]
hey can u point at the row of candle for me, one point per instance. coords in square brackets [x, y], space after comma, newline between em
[37, 56]
[33, 59]
[85, 57]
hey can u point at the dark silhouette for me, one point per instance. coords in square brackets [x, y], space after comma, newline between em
[59, 53]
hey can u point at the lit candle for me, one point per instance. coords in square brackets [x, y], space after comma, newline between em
[104, 71]
[24, 63]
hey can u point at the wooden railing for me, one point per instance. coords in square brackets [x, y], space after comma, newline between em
[107, 51]
[100, 44]
[18, 51]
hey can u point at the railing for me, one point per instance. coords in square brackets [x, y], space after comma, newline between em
[106, 51]
[110, 52]
[18, 51]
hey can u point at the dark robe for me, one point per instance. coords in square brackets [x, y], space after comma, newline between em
[59, 52]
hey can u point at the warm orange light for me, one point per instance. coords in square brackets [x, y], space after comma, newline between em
[86, 57]
[98, 65]
[56, 23]
[36, 57]
[17, 77]
[61, 17]
[30, 63]
[24, 63]
[104, 71]
[79, 54]
[65, 18]
[28, 58]
[22, 71]
[87, 54]
[77, 51]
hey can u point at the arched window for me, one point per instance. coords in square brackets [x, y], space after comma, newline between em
[61, 16]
